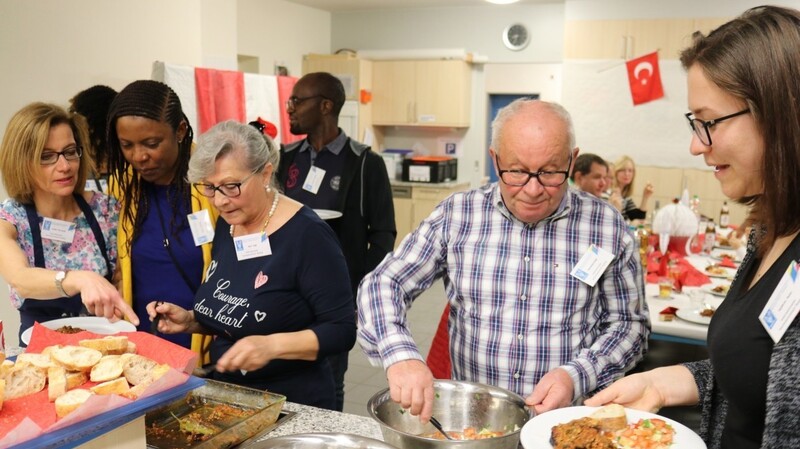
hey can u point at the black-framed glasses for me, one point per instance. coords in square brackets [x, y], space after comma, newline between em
[519, 178]
[70, 154]
[702, 127]
[294, 102]
[229, 189]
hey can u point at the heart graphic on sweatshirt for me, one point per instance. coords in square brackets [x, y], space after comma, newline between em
[260, 315]
[261, 279]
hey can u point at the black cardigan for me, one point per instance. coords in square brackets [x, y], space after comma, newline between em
[367, 228]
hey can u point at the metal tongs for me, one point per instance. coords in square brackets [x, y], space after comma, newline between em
[438, 426]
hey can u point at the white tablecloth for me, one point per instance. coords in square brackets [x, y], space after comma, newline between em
[678, 327]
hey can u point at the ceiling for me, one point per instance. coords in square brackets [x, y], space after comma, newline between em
[351, 5]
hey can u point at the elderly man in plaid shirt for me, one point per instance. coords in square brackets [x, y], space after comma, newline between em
[544, 282]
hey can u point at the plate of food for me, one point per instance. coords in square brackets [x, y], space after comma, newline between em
[702, 316]
[722, 255]
[717, 271]
[608, 426]
[98, 325]
[327, 214]
[718, 290]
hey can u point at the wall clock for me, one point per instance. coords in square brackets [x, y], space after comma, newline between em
[516, 37]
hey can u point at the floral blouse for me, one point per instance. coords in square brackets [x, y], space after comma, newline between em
[83, 253]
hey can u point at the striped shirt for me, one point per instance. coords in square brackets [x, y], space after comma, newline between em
[516, 312]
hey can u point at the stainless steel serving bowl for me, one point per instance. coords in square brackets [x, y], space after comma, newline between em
[457, 405]
[321, 441]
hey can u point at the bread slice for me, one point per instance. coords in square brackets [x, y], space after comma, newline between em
[5, 367]
[137, 368]
[49, 350]
[155, 374]
[56, 382]
[2, 356]
[38, 360]
[131, 349]
[109, 345]
[71, 400]
[75, 379]
[2, 393]
[108, 368]
[77, 358]
[611, 417]
[24, 380]
[116, 386]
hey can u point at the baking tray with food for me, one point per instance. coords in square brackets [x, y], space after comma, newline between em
[216, 415]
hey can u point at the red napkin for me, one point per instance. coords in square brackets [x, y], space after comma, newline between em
[727, 262]
[658, 267]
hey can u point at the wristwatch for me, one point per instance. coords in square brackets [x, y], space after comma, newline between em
[59, 279]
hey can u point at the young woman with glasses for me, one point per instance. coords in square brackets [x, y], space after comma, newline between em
[165, 229]
[58, 242]
[277, 294]
[744, 103]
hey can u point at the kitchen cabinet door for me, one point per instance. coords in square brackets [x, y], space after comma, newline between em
[422, 93]
[393, 92]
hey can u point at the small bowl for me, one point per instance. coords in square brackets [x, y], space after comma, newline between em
[457, 405]
[321, 441]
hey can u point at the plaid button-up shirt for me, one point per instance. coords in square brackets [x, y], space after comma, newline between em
[516, 312]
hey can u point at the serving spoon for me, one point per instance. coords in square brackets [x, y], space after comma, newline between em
[438, 426]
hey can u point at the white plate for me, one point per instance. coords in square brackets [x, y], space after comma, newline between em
[718, 256]
[327, 214]
[693, 316]
[728, 273]
[536, 432]
[98, 325]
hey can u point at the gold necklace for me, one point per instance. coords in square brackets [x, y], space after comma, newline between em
[269, 215]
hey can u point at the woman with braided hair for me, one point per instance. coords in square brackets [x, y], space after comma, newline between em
[165, 229]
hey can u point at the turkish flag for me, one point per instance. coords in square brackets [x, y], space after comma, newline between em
[645, 78]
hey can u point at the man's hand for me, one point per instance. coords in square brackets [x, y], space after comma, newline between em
[554, 390]
[411, 386]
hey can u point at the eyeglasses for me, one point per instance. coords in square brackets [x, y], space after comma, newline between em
[701, 127]
[229, 189]
[51, 157]
[519, 178]
[293, 101]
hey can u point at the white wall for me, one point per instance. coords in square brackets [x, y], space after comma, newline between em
[474, 28]
[657, 9]
[280, 32]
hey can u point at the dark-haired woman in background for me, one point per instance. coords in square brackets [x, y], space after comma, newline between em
[165, 229]
[92, 105]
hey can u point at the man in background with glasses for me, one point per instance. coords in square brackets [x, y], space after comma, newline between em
[329, 170]
[544, 284]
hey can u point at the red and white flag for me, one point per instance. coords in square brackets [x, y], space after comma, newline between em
[645, 78]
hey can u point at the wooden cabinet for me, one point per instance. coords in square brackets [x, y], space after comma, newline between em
[356, 75]
[626, 39]
[414, 202]
[421, 93]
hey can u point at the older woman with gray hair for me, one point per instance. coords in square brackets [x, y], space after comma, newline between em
[277, 294]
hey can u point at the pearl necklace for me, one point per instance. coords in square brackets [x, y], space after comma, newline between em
[269, 216]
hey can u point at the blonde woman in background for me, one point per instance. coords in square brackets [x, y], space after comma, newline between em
[624, 175]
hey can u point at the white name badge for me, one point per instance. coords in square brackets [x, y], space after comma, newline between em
[783, 305]
[252, 245]
[314, 180]
[63, 231]
[200, 224]
[592, 265]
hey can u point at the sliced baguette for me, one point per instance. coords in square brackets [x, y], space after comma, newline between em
[137, 368]
[156, 373]
[38, 360]
[108, 368]
[116, 386]
[71, 400]
[109, 345]
[5, 368]
[48, 350]
[24, 380]
[611, 417]
[76, 358]
[76, 379]
[56, 382]
[131, 349]
[2, 393]
[2, 356]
